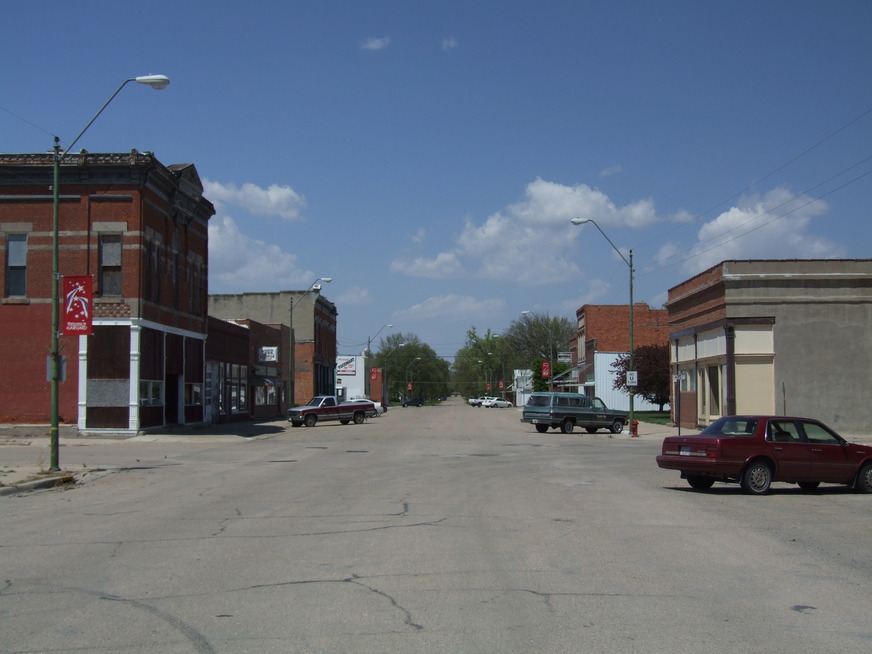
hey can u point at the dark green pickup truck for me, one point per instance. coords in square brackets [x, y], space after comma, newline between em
[570, 410]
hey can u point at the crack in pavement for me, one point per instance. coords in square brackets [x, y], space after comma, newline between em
[355, 580]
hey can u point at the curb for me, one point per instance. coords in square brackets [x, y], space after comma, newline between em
[37, 484]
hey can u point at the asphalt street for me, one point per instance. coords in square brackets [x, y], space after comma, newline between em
[439, 529]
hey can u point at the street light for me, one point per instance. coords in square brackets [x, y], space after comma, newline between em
[157, 82]
[550, 351]
[367, 382]
[631, 368]
[292, 399]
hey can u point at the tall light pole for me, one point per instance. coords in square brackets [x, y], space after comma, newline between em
[550, 351]
[631, 368]
[367, 382]
[157, 82]
[292, 398]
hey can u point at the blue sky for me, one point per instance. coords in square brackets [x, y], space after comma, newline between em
[428, 156]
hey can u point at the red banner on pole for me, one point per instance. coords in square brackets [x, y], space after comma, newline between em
[78, 304]
[373, 373]
[546, 369]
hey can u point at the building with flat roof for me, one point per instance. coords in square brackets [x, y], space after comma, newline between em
[137, 230]
[785, 337]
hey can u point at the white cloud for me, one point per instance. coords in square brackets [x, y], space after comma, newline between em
[275, 200]
[238, 263]
[774, 226]
[611, 170]
[450, 308]
[449, 43]
[419, 236]
[372, 43]
[445, 265]
[511, 244]
[354, 296]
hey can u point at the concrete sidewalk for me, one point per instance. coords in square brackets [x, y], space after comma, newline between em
[18, 478]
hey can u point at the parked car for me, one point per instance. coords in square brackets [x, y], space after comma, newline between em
[413, 401]
[379, 409]
[755, 451]
[496, 402]
[478, 401]
[327, 407]
[567, 411]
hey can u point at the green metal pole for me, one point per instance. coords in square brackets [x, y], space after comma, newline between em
[632, 366]
[292, 398]
[54, 441]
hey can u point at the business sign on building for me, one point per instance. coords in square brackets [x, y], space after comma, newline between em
[346, 365]
[267, 354]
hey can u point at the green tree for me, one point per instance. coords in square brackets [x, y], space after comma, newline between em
[483, 359]
[404, 358]
[652, 364]
[535, 338]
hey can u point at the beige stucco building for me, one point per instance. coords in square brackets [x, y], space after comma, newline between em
[786, 337]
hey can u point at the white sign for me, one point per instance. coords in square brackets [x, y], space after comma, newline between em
[632, 378]
[266, 354]
[346, 365]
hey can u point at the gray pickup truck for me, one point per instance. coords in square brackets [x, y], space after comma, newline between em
[570, 410]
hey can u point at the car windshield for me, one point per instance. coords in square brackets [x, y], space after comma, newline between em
[539, 400]
[731, 426]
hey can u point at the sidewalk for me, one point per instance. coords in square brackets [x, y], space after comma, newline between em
[20, 478]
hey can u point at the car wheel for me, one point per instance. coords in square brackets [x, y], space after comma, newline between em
[310, 420]
[359, 418]
[756, 478]
[566, 426]
[591, 430]
[541, 428]
[808, 485]
[864, 479]
[296, 424]
[700, 483]
[617, 427]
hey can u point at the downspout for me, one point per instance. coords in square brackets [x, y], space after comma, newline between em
[731, 370]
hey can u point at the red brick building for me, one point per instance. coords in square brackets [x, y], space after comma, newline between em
[603, 334]
[314, 318]
[139, 229]
[246, 370]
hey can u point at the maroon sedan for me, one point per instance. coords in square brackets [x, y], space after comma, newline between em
[754, 451]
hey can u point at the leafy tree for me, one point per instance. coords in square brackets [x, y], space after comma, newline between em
[483, 359]
[405, 358]
[652, 364]
[536, 335]
[541, 383]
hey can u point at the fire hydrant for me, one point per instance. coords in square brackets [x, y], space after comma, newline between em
[634, 429]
